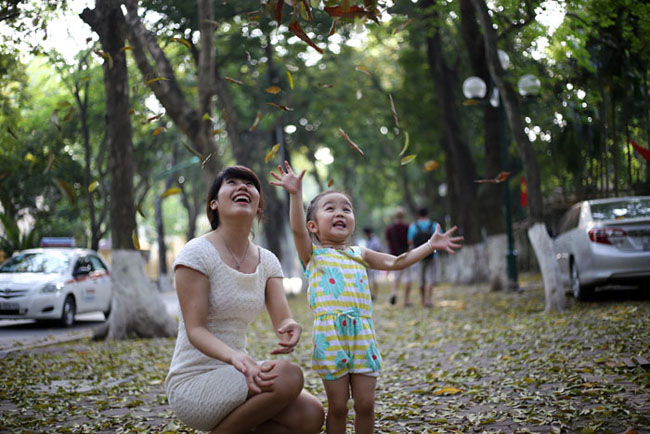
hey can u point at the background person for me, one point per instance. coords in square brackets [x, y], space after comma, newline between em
[223, 282]
[396, 235]
[424, 272]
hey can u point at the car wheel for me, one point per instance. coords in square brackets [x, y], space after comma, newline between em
[107, 312]
[580, 291]
[68, 312]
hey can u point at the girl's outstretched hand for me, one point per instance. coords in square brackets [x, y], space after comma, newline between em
[288, 179]
[445, 241]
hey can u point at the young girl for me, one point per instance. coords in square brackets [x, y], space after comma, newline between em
[345, 353]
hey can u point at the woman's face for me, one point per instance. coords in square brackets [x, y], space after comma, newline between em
[237, 198]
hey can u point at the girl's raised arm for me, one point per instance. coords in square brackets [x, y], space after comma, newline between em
[293, 184]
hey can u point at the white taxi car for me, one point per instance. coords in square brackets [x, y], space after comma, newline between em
[54, 283]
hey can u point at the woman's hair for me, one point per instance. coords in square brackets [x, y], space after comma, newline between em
[314, 203]
[232, 172]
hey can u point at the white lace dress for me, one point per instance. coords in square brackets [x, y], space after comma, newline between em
[202, 390]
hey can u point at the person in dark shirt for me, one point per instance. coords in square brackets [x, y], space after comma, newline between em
[396, 238]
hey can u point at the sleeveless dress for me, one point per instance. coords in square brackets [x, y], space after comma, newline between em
[202, 390]
[343, 334]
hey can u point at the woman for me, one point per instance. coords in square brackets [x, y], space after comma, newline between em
[223, 281]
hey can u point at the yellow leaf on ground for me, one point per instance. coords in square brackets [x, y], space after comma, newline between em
[447, 391]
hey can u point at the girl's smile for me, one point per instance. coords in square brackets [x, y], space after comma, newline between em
[333, 221]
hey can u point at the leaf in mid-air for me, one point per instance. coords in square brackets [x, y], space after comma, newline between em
[392, 107]
[402, 26]
[274, 150]
[12, 133]
[217, 131]
[170, 192]
[363, 69]
[153, 118]
[431, 165]
[290, 78]
[407, 159]
[278, 11]
[256, 122]
[300, 33]
[325, 85]
[182, 41]
[193, 151]
[138, 208]
[330, 182]
[125, 48]
[406, 143]
[232, 80]
[273, 90]
[350, 142]
[55, 119]
[136, 241]
[281, 107]
[153, 80]
[50, 161]
[158, 131]
[351, 12]
[205, 160]
[502, 176]
[66, 189]
[93, 186]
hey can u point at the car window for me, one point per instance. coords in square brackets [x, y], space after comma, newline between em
[570, 219]
[49, 262]
[623, 209]
[83, 263]
[98, 265]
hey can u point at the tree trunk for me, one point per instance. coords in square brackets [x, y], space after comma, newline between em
[553, 289]
[134, 311]
[455, 148]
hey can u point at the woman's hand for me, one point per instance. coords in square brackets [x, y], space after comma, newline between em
[257, 376]
[288, 179]
[446, 242]
[289, 334]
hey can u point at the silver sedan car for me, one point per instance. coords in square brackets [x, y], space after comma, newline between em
[54, 283]
[605, 241]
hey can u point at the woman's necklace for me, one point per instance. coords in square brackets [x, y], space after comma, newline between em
[234, 258]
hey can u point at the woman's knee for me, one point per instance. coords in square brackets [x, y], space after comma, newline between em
[312, 414]
[289, 381]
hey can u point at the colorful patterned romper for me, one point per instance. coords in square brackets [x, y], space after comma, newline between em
[343, 333]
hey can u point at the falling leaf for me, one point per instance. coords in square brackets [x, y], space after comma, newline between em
[272, 152]
[63, 104]
[170, 192]
[330, 182]
[281, 107]
[69, 114]
[65, 189]
[402, 26]
[278, 11]
[502, 176]
[55, 119]
[153, 80]
[325, 85]
[332, 28]
[406, 160]
[193, 151]
[106, 56]
[158, 131]
[291, 67]
[351, 12]
[471, 101]
[351, 143]
[300, 33]
[290, 78]
[93, 186]
[182, 41]
[131, 111]
[206, 117]
[136, 241]
[138, 208]
[232, 80]
[205, 160]
[431, 165]
[363, 69]
[256, 121]
[30, 157]
[406, 143]
[273, 90]
[50, 161]
[125, 48]
[217, 131]
[86, 78]
[12, 133]
[153, 118]
[392, 107]
[447, 391]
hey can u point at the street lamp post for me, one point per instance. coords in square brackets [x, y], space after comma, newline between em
[474, 88]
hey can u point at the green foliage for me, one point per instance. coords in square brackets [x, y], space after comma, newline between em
[13, 239]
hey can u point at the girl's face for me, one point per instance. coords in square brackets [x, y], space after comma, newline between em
[237, 198]
[333, 221]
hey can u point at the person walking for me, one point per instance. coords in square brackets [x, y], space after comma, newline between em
[424, 272]
[396, 235]
[223, 281]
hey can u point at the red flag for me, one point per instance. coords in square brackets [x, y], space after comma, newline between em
[523, 198]
[645, 153]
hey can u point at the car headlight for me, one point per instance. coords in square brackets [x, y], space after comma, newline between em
[51, 288]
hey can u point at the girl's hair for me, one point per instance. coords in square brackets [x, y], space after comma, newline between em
[231, 172]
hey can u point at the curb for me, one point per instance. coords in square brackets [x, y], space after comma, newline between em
[70, 337]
